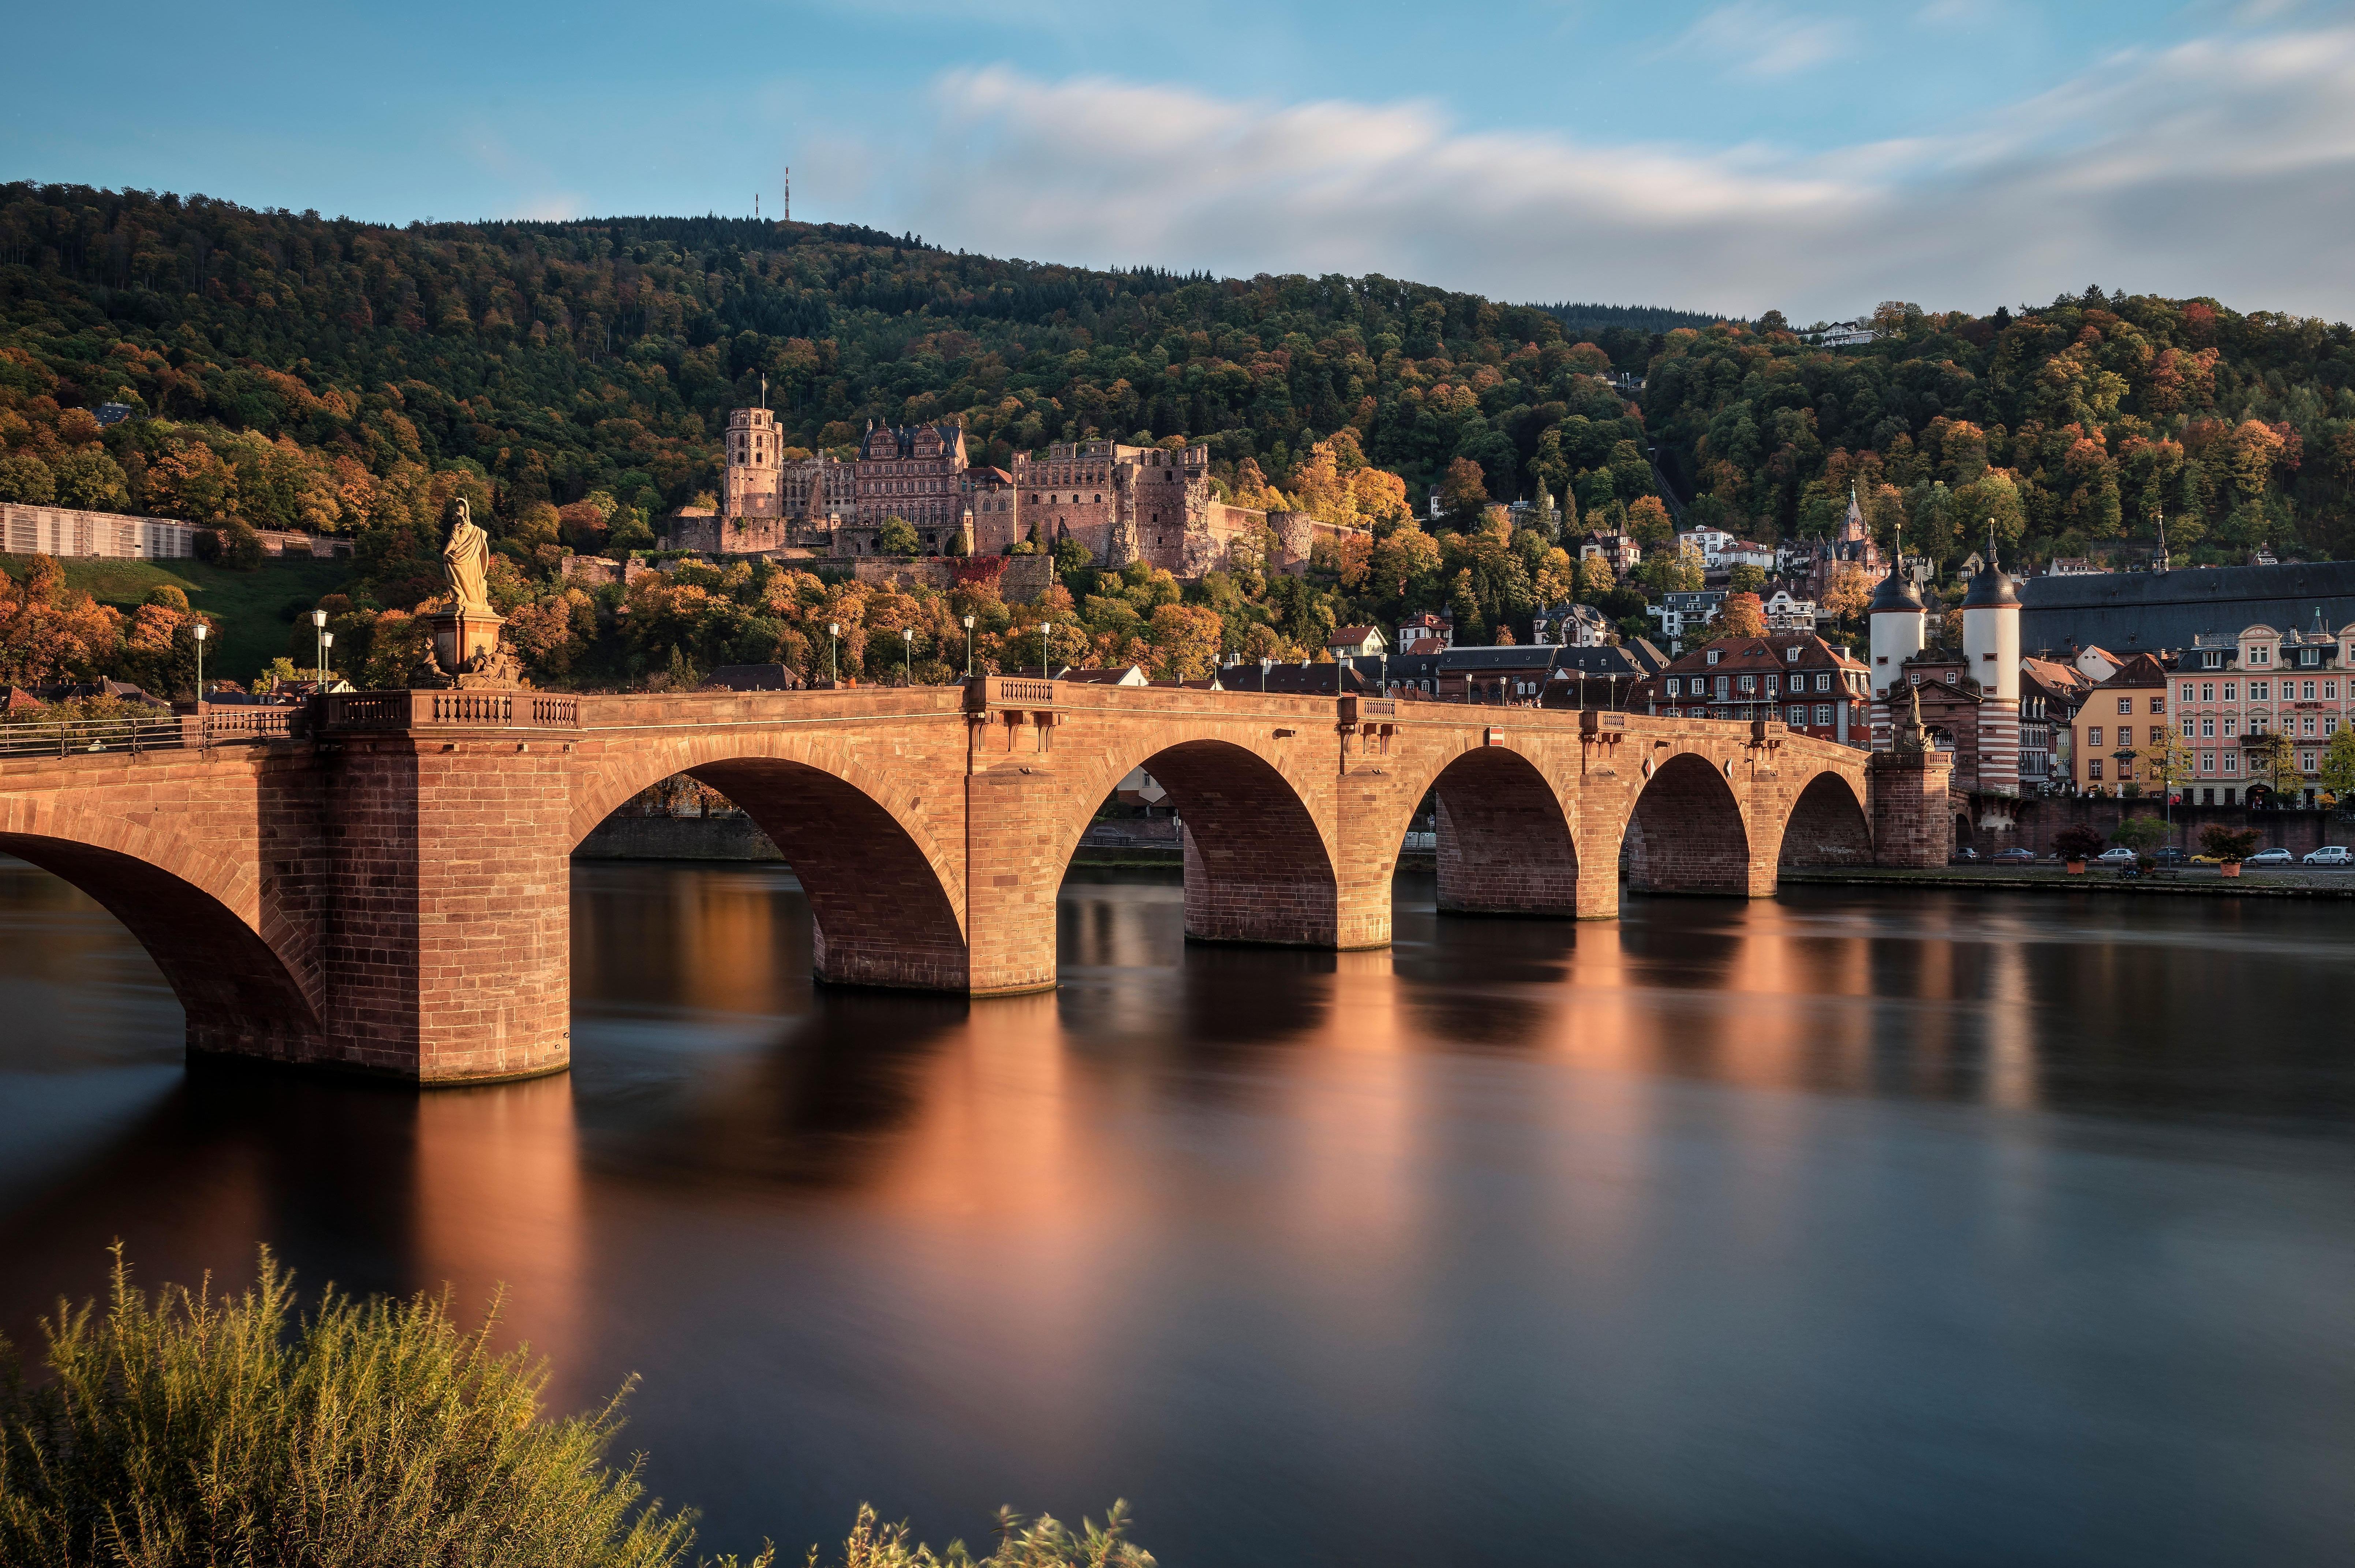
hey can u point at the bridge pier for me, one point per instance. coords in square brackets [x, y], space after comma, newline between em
[448, 875]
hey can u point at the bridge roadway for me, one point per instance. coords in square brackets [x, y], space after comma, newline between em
[387, 889]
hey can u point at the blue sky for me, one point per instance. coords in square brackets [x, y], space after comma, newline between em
[1813, 156]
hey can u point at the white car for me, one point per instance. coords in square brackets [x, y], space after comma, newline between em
[2117, 856]
[2269, 858]
[2332, 854]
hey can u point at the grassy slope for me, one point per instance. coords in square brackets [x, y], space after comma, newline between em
[253, 612]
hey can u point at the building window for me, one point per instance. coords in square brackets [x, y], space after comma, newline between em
[2093, 736]
[2230, 689]
[2186, 729]
[1796, 716]
[2329, 691]
[1792, 655]
[2126, 736]
[2306, 725]
[1712, 656]
[2305, 761]
[2092, 767]
[1824, 713]
[1720, 689]
[2232, 765]
[2206, 762]
[2207, 729]
[1676, 686]
[2126, 705]
[1953, 675]
[1749, 684]
[2330, 724]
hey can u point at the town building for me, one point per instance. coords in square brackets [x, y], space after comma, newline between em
[1819, 563]
[1680, 612]
[1570, 625]
[1355, 642]
[2050, 694]
[1619, 551]
[2234, 696]
[67, 531]
[1786, 614]
[1799, 679]
[1426, 633]
[2136, 612]
[2120, 721]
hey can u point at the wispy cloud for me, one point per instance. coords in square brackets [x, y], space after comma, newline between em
[1762, 40]
[2212, 167]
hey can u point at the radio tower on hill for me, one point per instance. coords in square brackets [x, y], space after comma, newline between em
[786, 208]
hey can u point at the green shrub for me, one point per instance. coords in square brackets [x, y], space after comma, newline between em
[2229, 844]
[184, 1430]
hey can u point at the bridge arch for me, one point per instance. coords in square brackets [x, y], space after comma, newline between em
[246, 977]
[1687, 833]
[1827, 825]
[1506, 845]
[885, 903]
[1258, 868]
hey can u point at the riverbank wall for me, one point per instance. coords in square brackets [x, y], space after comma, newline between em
[2296, 830]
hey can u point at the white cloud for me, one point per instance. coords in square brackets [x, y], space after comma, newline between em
[1764, 40]
[2215, 168]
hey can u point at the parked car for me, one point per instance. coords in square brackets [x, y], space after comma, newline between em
[2206, 860]
[2332, 854]
[2019, 853]
[2169, 854]
[2270, 857]
[2118, 856]
[1963, 857]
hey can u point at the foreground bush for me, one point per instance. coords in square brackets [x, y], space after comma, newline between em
[185, 1432]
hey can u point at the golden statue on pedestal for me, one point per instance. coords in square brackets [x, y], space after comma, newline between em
[464, 561]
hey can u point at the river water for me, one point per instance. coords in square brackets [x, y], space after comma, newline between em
[1850, 1227]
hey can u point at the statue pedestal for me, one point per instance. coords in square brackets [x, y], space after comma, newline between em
[466, 646]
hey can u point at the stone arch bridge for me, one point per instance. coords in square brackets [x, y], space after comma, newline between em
[387, 889]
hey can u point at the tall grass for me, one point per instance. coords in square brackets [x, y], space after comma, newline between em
[182, 1431]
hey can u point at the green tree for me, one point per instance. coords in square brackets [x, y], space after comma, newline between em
[2140, 834]
[1747, 579]
[2274, 762]
[92, 481]
[27, 480]
[898, 536]
[2167, 760]
[1594, 578]
[2338, 768]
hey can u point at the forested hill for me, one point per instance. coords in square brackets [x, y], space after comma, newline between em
[298, 371]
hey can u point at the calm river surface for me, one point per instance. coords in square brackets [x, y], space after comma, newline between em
[1853, 1227]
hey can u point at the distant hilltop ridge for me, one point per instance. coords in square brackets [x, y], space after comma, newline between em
[292, 369]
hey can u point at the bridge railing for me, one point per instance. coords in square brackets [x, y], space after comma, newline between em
[163, 732]
[379, 710]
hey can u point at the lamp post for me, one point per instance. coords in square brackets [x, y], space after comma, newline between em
[832, 658]
[1263, 664]
[1044, 628]
[907, 656]
[968, 647]
[319, 630]
[327, 650]
[199, 631]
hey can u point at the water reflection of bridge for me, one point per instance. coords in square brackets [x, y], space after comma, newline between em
[387, 891]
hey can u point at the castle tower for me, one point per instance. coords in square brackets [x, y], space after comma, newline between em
[1991, 649]
[1122, 542]
[1900, 630]
[753, 485]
